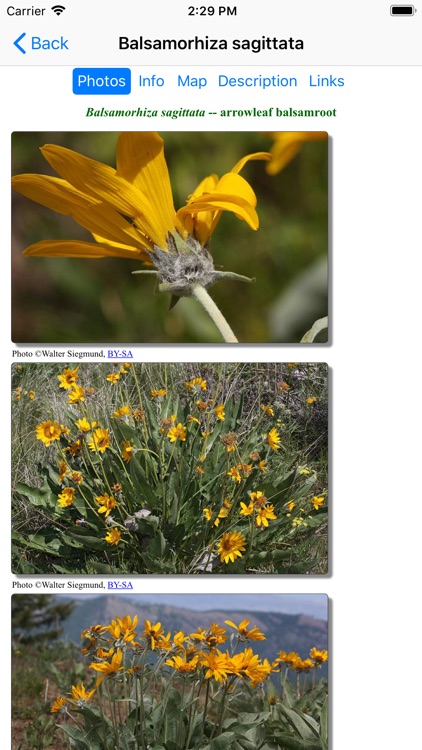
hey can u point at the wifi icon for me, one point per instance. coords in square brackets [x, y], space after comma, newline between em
[58, 9]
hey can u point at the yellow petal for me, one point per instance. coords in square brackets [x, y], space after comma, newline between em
[237, 186]
[201, 225]
[76, 249]
[140, 161]
[258, 156]
[102, 183]
[287, 145]
[96, 217]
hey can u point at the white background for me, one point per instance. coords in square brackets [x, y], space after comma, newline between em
[376, 330]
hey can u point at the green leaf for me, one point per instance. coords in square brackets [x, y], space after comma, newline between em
[39, 496]
[222, 742]
[305, 726]
[324, 724]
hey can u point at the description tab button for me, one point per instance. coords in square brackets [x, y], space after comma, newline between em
[114, 81]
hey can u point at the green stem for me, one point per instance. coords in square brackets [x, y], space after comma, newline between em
[202, 296]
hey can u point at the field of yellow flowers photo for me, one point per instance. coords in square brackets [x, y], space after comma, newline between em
[170, 672]
[190, 237]
[170, 468]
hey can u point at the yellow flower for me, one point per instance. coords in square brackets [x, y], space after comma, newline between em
[311, 400]
[273, 439]
[127, 451]
[129, 210]
[265, 514]
[254, 634]
[66, 497]
[107, 503]
[106, 668]
[290, 505]
[100, 440]
[258, 499]
[113, 377]
[287, 145]
[76, 476]
[58, 704]
[63, 470]
[68, 378]
[123, 411]
[177, 432]
[31, 395]
[262, 466]
[181, 663]
[123, 628]
[153, 632]
[113, 536]
[207, 513]
[317, 502]
[84, 425]
[287, 658]
[230, 546]
[246, 510]
[193, 419]
[48, 432]
[216, 664]
[158, 393]
[76, 395]
[234, 474]
[219, 412]
[196, 383]
[80, 695]
[268, 410]
[319, 657]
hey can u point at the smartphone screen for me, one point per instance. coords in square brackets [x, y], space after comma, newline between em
[213, 215]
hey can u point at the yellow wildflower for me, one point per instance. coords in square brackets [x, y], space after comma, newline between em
[66, 497]
[107, 503]
[47, 432]
[113, 377]
[231, 545]
[76, 395]
[68, 378]
[127, 451]
[177, 432]
[273, 439]
[219, 412]
[265, 514]
[317, 502]
[234, 474]
[100, 440]
[113, 536]
[123, 411]
[158, 393]
[268, 410]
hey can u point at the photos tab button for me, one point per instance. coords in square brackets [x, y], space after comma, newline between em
[113, 81]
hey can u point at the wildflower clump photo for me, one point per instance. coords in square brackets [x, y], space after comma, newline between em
[195, 679]
[170, 468]
[178, 238]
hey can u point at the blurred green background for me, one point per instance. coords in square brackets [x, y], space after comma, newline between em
[62, 300]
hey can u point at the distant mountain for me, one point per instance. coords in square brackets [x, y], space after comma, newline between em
[283, 632]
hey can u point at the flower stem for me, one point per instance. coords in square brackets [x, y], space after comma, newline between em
[202, 296]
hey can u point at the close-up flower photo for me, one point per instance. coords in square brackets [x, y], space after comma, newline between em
[170, 672]
[165, 469]
[170, 238]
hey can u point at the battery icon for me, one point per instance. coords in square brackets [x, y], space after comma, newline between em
[402, 10]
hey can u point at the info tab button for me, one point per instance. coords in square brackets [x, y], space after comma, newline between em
[112, 81]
